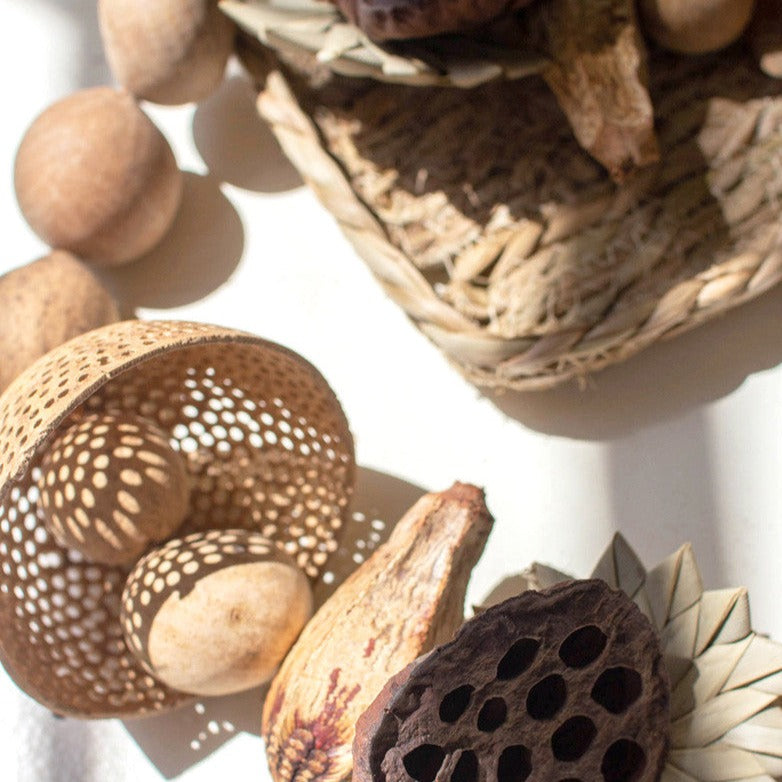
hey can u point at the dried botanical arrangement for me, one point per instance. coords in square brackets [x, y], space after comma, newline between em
[141, 433]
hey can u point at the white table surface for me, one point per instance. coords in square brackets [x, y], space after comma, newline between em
[682, 443]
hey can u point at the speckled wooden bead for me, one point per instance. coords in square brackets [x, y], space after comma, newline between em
[110, 485]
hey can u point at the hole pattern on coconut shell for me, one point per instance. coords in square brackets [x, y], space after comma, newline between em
[588, 698]
[266, 448]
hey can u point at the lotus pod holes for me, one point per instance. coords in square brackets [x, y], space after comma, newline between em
[565, 684]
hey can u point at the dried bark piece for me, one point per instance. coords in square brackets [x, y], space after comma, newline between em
[598, 73]
[563, 684]
[389, 19]
[765, 35]
[404, 600]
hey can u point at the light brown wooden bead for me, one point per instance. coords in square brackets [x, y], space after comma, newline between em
[110, 485]
[166, 51]
[93, 175]
[45, 303]
[216, 612]
[695, 26]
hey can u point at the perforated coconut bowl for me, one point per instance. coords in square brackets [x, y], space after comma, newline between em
[512, 249]
[266, 447]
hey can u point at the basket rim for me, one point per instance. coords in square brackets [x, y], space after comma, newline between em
[318, 29]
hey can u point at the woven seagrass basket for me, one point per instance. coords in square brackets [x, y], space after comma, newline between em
[266, 447]
[479, 214]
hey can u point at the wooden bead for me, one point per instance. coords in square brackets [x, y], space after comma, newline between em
[166, 51]
[93, 175]
[695, 26]
[45, 303]
[111, 484]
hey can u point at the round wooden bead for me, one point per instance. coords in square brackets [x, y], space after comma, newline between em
[93, 175]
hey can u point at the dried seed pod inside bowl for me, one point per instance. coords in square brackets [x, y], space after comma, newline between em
[266, 447]
[568, 683]
[110, 484]
[46, 303]
[95, 176]
[214, 613]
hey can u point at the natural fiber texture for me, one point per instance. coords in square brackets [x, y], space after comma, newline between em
[508, 246]
[316, 27]
[266, 447]
[726, 680]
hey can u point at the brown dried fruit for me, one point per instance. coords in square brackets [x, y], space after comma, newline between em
[563, 684]
[405, 599]
[387, 19]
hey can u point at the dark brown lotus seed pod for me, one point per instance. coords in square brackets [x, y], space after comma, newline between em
[565, 684]
[387, 19]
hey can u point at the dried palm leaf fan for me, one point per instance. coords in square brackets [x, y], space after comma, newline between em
[266, 447]
[507, 244]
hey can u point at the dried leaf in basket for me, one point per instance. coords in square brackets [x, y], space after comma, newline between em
[565, 683]
[266, 447]
[598, 72]
[510, 248]
[726, 680]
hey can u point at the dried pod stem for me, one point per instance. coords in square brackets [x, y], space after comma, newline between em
[404, 600]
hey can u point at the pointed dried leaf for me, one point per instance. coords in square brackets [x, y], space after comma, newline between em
[710, 721]
[724, 617]
[621, 568]
[717, 763]
[761, 659]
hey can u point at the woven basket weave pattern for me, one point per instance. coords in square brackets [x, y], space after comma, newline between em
[510, 248]
[267, 448]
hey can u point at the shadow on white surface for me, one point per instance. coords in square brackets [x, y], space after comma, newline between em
[235, 143]
[198, 255]
[180, 739]
[664, 381]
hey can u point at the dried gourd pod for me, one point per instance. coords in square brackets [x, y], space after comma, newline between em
[266, 446]
[46, 303]
[110, 484]
[214, 613]
[566, 683]
[166, 51]
[403, 600]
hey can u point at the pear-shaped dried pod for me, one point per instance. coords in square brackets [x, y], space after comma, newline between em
[388, 19]
[568, 683]
[404, 600]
